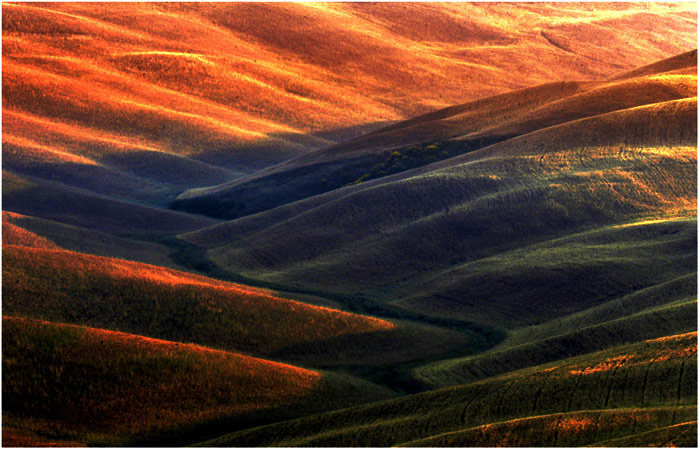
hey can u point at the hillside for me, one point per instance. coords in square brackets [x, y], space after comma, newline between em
[349, 224]
[29, 231]
[82, 208]
[666, 308]
[438, 136]
[576, 235]
[599, 171]
[140, 102]
[628, 393]
[231, 87]
[63, 286]
[92, 386]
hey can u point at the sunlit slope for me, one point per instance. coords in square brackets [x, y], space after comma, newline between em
[70, 287]
[583, 174]
[438, 136]
[625, 391]
[683, 63]
[246, 85]
[95, 386]
[13, 234]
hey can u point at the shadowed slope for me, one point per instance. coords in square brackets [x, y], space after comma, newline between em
[669, 307]
[82, 240]
[601, 170]
[623, 391]
[82, 208]
[154, 301]
[105, 387]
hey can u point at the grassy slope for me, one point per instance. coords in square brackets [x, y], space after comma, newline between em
[583, 233]
[172, 97]
[624, 391]
[13, 234]
[455, 130]
[590, 428]
[670, 307]
[598, 171]
[70, 287]
[95, 386]
[559, 277]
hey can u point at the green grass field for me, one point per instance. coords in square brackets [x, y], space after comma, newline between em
[641, 387]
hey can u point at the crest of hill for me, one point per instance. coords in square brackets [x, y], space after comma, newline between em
[442, 134]
[102, 387]
[581, 401]
[70, 287]
[82, 240]
[688, 60]
[16, 235]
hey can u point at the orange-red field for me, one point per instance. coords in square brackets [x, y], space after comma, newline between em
[192, 78]
[59, 284]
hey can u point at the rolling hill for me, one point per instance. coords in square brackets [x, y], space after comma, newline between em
[92, 386]
[82, 208]
[575, 233]
[592, 172]
[140, 102]
[219, 77]
[629, 393]
[24, 230]
[440, 135]
[344, 224]
[69, 287]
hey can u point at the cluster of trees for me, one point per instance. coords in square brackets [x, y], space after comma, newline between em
[405, 159]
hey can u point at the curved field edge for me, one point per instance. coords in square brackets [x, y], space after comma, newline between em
[651, 374]
[573, 429]
[96, 386]
[678, 435]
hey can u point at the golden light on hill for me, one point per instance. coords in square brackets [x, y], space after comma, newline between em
[195, 78]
